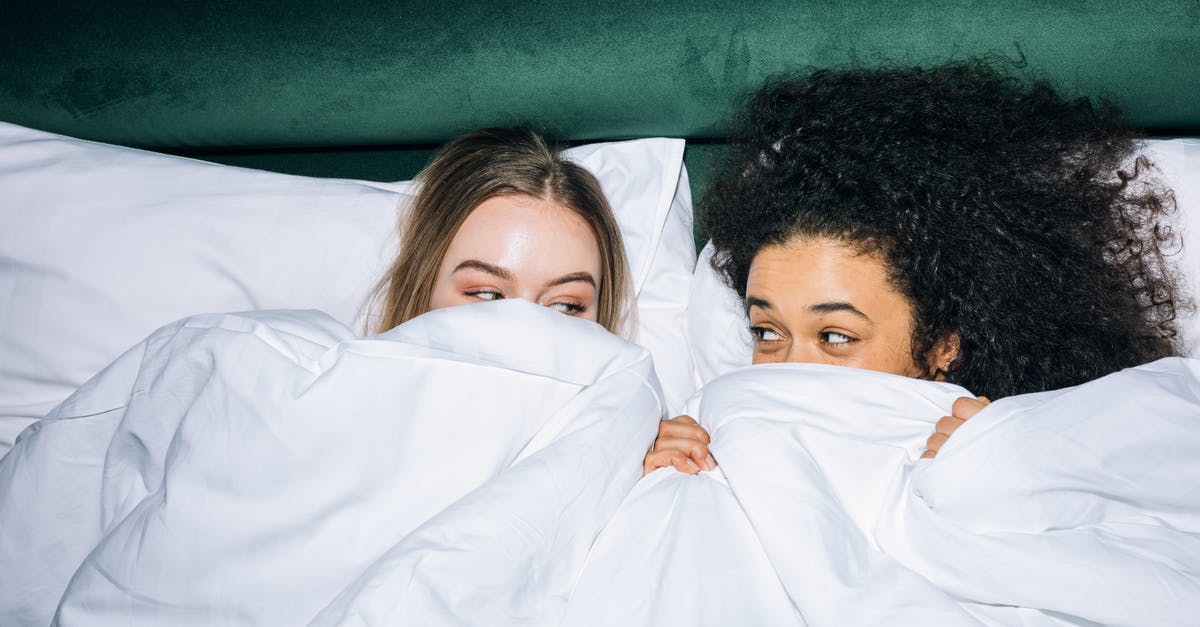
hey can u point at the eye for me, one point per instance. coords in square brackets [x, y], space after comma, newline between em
[485, 294]
[764, 334]
[567, 307]
[833, 337]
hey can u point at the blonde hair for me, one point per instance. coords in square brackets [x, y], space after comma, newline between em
[478, 166]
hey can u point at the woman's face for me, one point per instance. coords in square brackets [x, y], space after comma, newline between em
[819, 301]
[517, 246]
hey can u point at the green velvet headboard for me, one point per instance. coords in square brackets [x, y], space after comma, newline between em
[364, 89]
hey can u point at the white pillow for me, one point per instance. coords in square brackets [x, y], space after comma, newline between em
[661, 284]
[1178, 161]
[101, 244]
[719, 330]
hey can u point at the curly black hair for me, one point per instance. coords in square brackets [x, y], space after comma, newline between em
[1020, 219]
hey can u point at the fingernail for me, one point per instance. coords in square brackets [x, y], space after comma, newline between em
[693, 465]
[712, 463]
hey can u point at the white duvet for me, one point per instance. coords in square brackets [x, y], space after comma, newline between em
[251, 469]
[1077, 507]
[475, 467]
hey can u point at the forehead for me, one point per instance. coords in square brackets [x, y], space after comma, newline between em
[805, 272]
[527, 234]
[505, 211]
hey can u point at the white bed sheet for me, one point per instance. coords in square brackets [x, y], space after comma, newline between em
[474, 466]
[1072, 507]
[245, 469]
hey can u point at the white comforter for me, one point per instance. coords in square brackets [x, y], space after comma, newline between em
[253, 469]
[472, 467]
[1075, 507]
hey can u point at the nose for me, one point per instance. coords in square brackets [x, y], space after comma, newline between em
[802, 353]
[530, 295]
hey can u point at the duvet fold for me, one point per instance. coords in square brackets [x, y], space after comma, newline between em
[479, 466]
[253, 469]
[1073, 507]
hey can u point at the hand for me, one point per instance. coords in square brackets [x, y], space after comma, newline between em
[681, 443]
[962, 409]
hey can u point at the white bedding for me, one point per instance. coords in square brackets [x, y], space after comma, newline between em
[474, 467]
[248, 469]
[1073, 507]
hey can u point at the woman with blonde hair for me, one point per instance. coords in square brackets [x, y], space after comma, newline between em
[499, 213]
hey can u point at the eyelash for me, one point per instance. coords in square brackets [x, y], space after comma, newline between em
[497, 295]
[824, 335]
[572, 309]
[758, 332]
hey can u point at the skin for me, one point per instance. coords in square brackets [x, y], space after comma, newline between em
[962, 410]
[516, 246]
[818, 301]
[821, 301]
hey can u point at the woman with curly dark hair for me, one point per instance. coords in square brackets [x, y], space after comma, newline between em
[952, 223]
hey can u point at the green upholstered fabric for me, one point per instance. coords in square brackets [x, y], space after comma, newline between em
[238, 75]
[373, 164]
[399, 164]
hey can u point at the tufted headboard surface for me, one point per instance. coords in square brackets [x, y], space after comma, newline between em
[364, 89]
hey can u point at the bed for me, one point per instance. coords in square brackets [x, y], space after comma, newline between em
[324, 110]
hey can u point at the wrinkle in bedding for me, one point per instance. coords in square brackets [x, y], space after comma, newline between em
[252, 466]
[304, 479]
[1070, 507]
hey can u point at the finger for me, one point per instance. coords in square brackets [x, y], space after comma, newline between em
[684, 427]
[668, 457]
[947, 425]
[928, 454]
[964, 408]
[935, 442]
[683, 463]
[650, 463]
[667, 429]
[694, 449]
[683, 430]
[655, 460]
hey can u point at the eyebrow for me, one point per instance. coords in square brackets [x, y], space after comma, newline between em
[483, 266]
[819, 308]
[754, 301]
[507, 275]
[585, 277]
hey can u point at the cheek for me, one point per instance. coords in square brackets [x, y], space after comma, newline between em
[775, 353]
[893, 352]
[909, 366]
[894, 357]
[764, 358]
